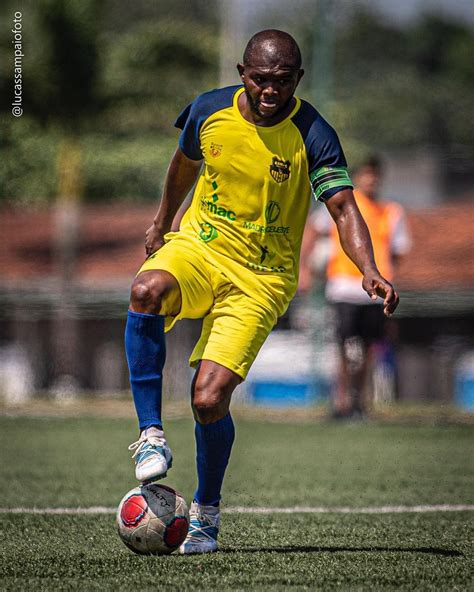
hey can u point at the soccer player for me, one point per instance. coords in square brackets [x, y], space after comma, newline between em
[359, 322]
[255, 151]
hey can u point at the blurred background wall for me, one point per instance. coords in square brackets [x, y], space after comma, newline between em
[81, 171]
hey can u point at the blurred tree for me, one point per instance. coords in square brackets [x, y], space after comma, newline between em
[71, 27]
[153, 70]
[115, 75]
[405, 88]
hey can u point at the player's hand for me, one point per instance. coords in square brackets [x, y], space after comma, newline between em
[375, 285]
[154, 240]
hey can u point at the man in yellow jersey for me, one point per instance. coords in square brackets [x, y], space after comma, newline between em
[255, 152]
[359, 322]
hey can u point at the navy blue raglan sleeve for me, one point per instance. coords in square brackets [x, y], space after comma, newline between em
[327, 165]
[192, 118]
[190, 121]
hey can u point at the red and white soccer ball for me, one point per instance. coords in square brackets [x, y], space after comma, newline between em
[153, 519]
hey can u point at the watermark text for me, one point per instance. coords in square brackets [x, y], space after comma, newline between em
[17, 30]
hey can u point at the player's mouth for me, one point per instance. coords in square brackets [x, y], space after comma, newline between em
[268, 106]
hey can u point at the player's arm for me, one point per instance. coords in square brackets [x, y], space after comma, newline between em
[180, 178]
[355, 240]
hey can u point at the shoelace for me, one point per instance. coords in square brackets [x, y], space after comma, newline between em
[140, 444]
[197, 531]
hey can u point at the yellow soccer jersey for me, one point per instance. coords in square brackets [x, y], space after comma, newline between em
[251, 200]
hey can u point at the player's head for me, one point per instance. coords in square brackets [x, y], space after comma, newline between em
[368, 176]
[270, 71]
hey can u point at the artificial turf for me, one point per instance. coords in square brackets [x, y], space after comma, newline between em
[85, 462]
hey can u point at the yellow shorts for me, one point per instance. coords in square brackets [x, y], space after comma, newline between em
[235, 325]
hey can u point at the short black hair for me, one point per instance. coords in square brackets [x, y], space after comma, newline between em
[276, 43]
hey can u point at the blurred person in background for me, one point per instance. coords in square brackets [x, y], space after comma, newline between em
[253, 151]
[359, 322]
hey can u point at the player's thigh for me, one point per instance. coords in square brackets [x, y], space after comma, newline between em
[346, 319]
[189, 268]
[233, 332]
[373, 324]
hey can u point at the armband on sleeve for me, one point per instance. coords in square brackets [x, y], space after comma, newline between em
[326, 179]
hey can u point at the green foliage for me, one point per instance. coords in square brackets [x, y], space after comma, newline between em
[28, 167]
[117, 74]
[118, 91]
[71, 28]
[404, 88]
[125, 168]
[152, 72]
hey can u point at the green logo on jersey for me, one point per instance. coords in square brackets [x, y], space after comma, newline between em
[269, 229]
[272, 211]
[208, 232]
[213, 208]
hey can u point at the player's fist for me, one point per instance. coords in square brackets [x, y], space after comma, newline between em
[154, 239]
[375, 285]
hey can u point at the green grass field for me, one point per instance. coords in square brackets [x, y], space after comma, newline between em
[85, 462]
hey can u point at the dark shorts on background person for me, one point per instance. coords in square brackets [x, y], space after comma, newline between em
[366, 321]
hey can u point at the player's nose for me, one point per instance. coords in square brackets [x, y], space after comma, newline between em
[269, 91]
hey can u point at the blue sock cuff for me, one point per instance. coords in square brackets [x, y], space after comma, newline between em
[216, 429]
[132, 313]
[147, 325]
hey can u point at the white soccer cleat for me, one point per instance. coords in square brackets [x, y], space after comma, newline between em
[203, 530]
[152, 456]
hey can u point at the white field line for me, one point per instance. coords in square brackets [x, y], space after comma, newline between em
[254, 510]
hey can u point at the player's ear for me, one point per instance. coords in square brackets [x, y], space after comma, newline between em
[300, 75]
[241, 68]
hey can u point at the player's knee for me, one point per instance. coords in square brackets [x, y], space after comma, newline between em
[147, 294]
[208, 403]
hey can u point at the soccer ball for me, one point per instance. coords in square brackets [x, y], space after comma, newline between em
[153, 519]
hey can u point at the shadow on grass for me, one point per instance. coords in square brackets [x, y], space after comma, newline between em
[314, 549]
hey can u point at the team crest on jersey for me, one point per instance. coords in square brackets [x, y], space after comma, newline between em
[280, 169]
[215, 150]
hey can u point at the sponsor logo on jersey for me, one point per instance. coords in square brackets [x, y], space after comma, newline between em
[272, 269]
[266, 229]
[272, 211]
[280, 169]
[214, 208]
[208, 232]
[215, 150]
[266, 256]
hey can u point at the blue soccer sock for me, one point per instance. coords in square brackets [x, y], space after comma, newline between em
[146, 352]
[213, 445]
